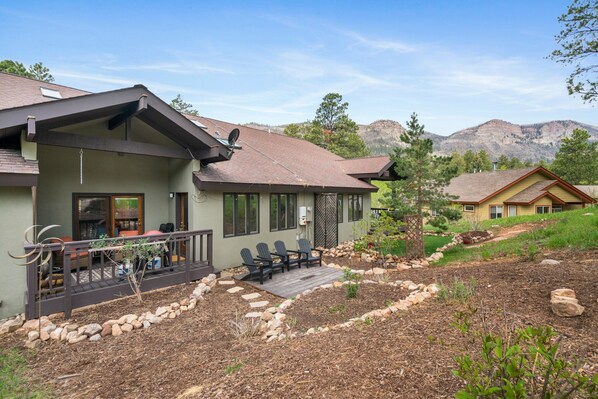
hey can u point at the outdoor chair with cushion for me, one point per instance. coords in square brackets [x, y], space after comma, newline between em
[264, 253]
[307, 253]
[257, 267]
[285, 254]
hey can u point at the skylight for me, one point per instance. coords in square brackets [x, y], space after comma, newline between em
[50, 93]
[198, 123]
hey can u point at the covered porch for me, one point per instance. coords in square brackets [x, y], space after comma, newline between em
[117, 164]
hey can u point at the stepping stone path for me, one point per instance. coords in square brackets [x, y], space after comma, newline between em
[249, 297]
[252, 315]
[234, 290]
[226, 282]
[260, 304]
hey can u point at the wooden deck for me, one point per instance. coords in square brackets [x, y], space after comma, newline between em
[296, 281]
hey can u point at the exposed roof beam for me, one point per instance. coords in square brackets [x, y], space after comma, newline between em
[30, 128]
[131, 112]
[110, 145]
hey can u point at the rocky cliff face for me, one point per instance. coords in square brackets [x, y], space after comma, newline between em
[535, 142]
[539, 141]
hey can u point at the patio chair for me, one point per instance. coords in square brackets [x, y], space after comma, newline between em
[307, 251]
[285, 254]
[257, 267]
[263, 252]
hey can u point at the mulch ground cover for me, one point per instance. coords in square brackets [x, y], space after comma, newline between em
[331, 306]
[410, 355]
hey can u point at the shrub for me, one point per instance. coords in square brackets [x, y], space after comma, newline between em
[522, 363]
[233, 368]
[458, 291]
[245, 327]
[352, 288]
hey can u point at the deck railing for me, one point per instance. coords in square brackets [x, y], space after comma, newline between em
[80, 275]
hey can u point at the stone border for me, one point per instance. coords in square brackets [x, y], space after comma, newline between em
[93, 332]
[272, 320]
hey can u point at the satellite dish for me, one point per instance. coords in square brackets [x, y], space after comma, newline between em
[233, 136]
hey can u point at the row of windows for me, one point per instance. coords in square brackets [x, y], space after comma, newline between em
[241, 212]
[498, 211]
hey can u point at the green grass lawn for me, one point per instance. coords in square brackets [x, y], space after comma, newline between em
[431, 243]
[12, 382]
[463, 225]
[571, 230]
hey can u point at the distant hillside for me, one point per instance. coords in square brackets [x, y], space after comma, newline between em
[535, 142]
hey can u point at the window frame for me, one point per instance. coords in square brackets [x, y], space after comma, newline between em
[110, 217]
[355, 215]
[502, 213]
[339, 208]
[542, 206]
[465, 208]
[290, 210]
[559, 207]
[248, 224]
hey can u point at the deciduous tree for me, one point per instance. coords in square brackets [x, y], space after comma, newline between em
[36, 71]
[579, 46]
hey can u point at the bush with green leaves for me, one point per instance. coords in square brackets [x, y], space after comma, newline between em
[459, 290]
[519, 363]
[352, 288]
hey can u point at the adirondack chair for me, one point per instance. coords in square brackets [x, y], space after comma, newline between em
[307, 253]
[264, 253]
[285, 254]
[257, 267]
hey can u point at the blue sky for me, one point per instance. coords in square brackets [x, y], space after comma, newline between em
[455, 63]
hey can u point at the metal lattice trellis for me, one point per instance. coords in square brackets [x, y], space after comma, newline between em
[414, 237]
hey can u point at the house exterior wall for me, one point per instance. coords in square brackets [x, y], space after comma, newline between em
[564, 195]
[208, 213]
[16, 208]
[482, 211]
[103, 172]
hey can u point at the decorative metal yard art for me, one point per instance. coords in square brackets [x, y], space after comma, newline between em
[39, 256]
[414, 237]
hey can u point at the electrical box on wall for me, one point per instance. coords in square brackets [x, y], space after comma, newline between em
[302, 216]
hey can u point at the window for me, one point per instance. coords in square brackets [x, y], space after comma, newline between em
[468, 208]
[355, 207]
[542, 209]
[111, 214]
[557, 208]
[496, 211]
[339, 208]
[512, 210]
[241, 214]
[283, 211]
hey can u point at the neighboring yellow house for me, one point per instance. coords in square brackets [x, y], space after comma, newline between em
[504, 193]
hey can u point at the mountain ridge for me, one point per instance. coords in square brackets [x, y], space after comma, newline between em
[530, 142]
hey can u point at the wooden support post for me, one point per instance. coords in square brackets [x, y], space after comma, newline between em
[210, 242]
[66, 274]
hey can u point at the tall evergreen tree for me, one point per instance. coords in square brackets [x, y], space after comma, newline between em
[577, 159]
[424, 177]
[36, 71]
[184, 107]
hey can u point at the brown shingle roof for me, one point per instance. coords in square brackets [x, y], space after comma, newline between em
[590, 190]
[368, 166]
[269, 159]
[531, 193]
[474, 187]
[18, 91]
[12, 162]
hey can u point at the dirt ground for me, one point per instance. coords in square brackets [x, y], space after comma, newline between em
[410, 355]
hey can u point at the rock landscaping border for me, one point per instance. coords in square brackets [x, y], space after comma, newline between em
[44, 330]
[274, 328]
